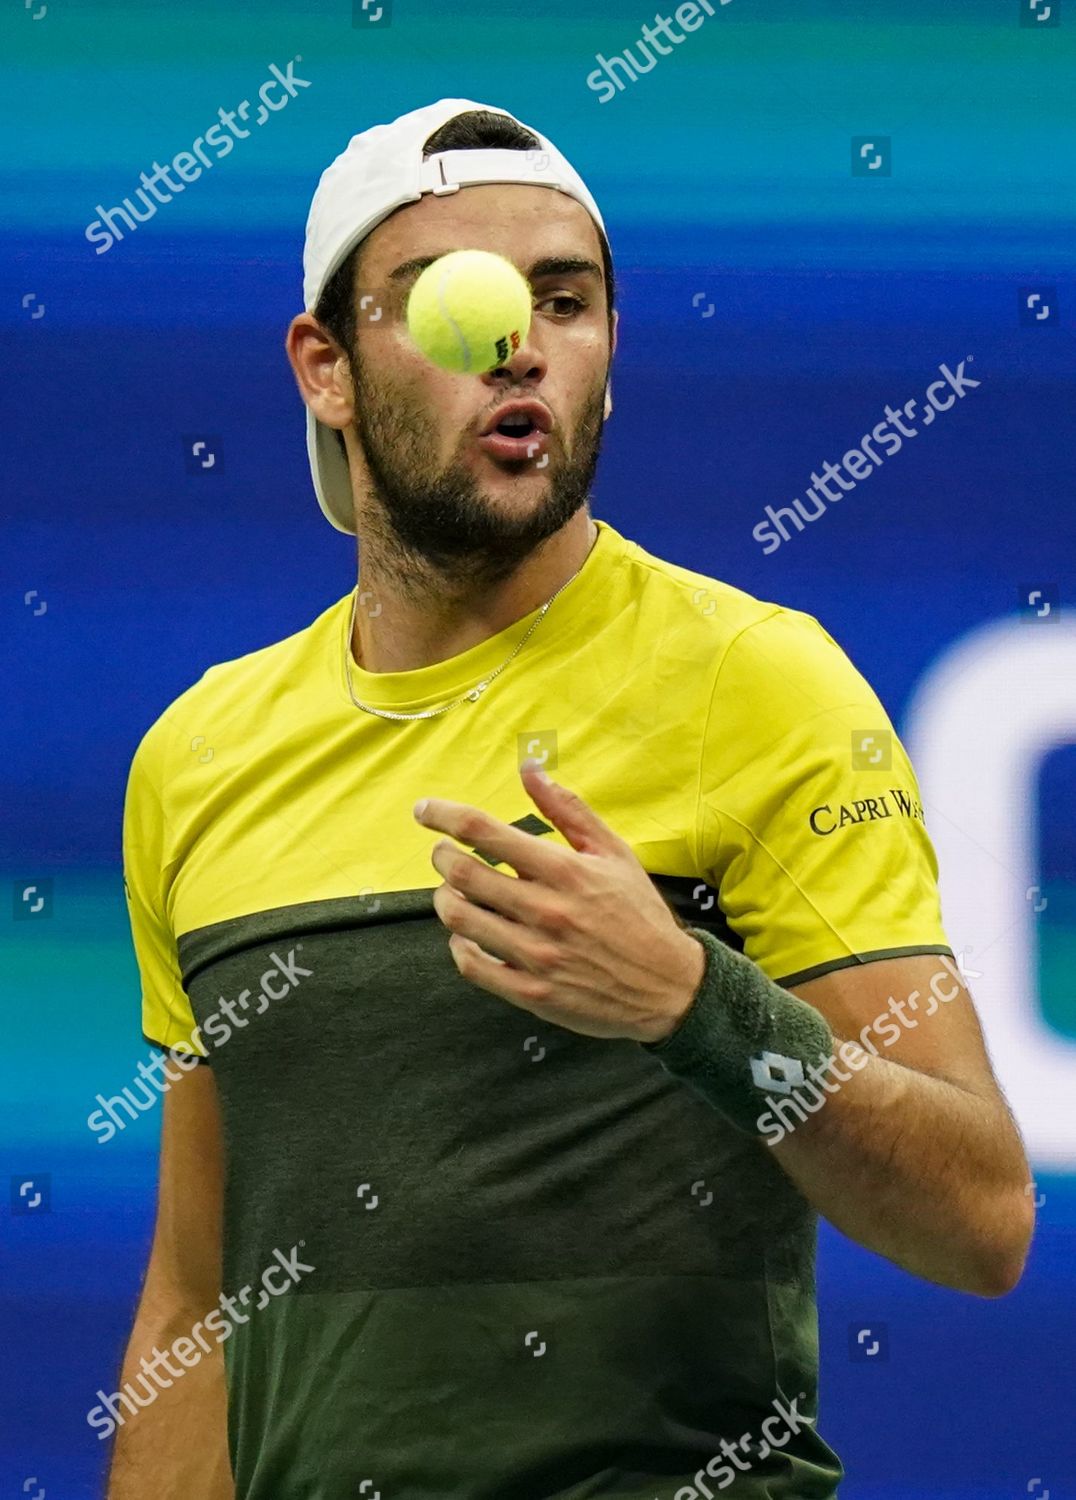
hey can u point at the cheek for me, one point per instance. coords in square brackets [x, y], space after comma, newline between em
[442, 404]
[584, 358]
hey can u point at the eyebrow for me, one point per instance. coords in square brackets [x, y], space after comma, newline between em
[549, 265]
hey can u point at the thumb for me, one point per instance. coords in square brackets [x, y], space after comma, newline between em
[567, 811]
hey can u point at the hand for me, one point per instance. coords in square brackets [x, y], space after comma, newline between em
[581, 938]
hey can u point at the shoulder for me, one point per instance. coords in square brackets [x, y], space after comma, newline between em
[754, 649]
[789, 660]
[239, 695]
[686, 603]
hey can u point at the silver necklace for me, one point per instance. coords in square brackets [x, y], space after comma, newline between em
[469, 697]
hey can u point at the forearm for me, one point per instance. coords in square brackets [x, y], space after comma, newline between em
[925, 1171]
[176, 1446]
[919, 1170]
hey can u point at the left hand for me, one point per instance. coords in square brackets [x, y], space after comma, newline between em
[581, 938]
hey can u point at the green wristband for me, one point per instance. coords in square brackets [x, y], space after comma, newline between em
[744, 1040]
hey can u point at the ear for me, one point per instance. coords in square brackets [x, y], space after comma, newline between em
[609, 383]
[321, 371]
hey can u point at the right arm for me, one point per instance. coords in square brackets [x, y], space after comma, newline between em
[177, 1445]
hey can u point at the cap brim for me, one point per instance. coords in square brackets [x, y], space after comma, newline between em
[330, 473]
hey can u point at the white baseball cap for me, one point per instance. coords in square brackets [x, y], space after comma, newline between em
[379, 171]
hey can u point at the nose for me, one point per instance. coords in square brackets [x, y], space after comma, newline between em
[526, 365]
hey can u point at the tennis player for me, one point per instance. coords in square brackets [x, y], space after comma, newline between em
[536, 943]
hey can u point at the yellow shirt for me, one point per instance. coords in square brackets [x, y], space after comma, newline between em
[541, 1264]
[730, 741]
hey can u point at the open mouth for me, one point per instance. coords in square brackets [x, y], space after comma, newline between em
[517, 438]
[520, 426]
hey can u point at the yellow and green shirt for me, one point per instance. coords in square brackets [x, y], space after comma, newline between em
[542, 1266]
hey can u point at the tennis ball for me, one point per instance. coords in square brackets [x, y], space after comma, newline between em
[469, 311]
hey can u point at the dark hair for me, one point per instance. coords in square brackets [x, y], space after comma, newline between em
[475, 130]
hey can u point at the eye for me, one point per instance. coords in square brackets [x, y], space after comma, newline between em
[575, 304]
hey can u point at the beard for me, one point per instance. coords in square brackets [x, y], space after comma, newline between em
[437, 515]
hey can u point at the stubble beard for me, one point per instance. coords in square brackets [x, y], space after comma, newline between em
[421, 519]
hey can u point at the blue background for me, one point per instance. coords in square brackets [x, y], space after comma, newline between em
[724, 177]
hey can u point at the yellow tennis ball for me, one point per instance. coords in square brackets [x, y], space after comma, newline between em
[469, 311]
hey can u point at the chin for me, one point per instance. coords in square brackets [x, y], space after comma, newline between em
[506, 481]
[524, 496]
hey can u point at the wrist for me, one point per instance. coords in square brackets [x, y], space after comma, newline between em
[742, 1039]
[687, 979]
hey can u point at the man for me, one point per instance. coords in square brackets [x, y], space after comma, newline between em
[534, 1093]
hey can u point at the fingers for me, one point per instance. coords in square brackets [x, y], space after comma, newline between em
[517, 986]
[524, 950]
[496, 841]
[479, 883]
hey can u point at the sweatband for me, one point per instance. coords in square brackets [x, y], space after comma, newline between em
[744, 1041]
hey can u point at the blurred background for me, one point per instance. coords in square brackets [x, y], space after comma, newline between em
[813, 206]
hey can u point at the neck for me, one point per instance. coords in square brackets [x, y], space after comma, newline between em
[416, 627]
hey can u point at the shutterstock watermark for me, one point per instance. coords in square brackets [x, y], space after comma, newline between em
[607, 75]
[787, 1079]
[735, 1457]
[104, 231]
[860, 463]
[220, 1025]
[285, 1271]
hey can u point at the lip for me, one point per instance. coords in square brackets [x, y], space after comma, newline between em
[538, 412]
[518, 449]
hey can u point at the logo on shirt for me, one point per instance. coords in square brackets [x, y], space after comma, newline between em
[894, 802]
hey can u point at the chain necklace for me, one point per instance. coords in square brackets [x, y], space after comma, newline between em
[469, 697]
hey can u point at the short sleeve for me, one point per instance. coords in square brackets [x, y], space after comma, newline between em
[811, 826]
[167, 1019]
